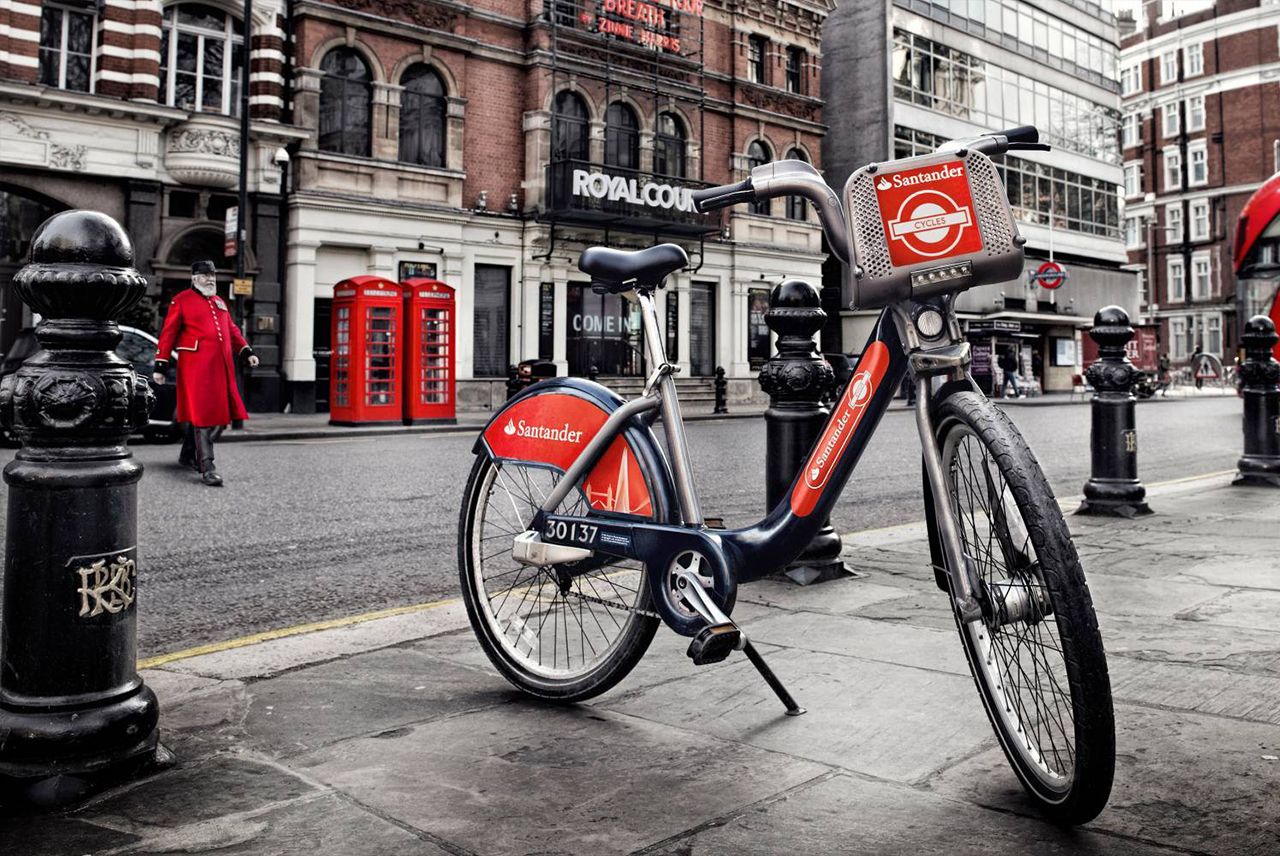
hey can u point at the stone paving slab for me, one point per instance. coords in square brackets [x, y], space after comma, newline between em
[867, 818]
[883, 720]
[544, 779]
[1201, 783]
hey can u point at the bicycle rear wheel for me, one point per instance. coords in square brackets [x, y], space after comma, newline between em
[552, 635]
[1037, 657]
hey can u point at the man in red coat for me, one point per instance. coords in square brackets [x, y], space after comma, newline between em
[198, 327]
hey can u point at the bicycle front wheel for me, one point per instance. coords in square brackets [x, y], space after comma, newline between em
[1037, 657]
[557, 636]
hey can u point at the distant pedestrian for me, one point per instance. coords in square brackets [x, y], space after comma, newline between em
[1195, 366]
[198, 326]
[1009, 365]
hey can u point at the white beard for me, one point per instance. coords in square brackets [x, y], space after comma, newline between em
[206, 290]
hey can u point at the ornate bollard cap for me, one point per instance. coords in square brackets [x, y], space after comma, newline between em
[1259, 337]
[81, 266]
[1111, 328]
[795, 308]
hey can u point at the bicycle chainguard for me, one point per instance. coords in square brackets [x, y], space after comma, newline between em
[715, 642]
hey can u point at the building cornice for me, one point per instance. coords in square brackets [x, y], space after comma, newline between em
[1213, 28]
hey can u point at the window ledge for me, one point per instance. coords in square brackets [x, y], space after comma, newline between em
[379, 163]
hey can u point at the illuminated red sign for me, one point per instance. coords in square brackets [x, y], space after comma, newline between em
[645, 23]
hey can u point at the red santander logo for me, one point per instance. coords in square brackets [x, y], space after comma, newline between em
[928, 213]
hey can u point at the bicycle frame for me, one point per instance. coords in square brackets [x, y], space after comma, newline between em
[743, 555]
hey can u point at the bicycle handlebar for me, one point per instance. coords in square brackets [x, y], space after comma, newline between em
[713, 198]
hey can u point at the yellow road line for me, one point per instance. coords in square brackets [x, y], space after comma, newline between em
[283, 632]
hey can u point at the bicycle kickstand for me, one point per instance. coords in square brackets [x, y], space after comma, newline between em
[721, 636]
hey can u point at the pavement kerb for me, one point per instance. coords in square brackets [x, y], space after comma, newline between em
[282, 649]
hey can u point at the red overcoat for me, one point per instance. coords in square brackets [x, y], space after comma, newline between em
[200, 329]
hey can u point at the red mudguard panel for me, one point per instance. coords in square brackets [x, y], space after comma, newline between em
[844, 421]
[553, 429]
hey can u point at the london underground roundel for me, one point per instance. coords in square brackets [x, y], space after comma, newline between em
[928, 213]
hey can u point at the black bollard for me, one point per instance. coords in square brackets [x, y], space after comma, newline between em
[795, 379]
[592, 372]
[74, 714]
[1113, 488]
[1260, 374]
[513, 380]
[722, 389]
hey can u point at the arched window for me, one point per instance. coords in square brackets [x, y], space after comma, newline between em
[569, 128]
[346, 100]
[201, 51]
[758, 154]
[797, 208]
[669, 141]
[422, 117]
[621, 137]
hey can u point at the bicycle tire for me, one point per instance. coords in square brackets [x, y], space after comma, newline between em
[564, 685]
[1045, 582]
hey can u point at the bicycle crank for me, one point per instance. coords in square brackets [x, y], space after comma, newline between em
[721, 636]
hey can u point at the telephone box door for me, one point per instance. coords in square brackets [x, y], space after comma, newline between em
[365, 373]
[430, 379]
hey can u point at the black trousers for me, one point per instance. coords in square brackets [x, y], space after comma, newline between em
[197, 445]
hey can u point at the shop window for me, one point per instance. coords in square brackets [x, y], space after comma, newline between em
[569, 126]
[621, 137]
[673, 327]
[758, 154]
[669, 142]
[1178, 334]
[1213, 335]
[797, 208]
[66, 48]
[490, 322]
[702, 329]
[346, 103]
[201, 52]
[423, 111]
[757, 329]
[546, 320]
[795, 70]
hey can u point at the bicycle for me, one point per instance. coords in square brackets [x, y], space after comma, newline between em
[579, 534]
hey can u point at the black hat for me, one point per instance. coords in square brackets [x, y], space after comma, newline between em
[202, 267]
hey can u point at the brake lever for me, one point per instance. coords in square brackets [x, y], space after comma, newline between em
[1028, 147]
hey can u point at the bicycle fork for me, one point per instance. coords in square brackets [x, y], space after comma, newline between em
[925, 365]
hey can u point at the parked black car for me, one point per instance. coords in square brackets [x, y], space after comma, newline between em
[139, 348]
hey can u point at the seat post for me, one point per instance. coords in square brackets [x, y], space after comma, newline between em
[672, 422]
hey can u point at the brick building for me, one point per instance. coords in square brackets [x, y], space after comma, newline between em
[488, 144]
[129, 107]
[1199, 132]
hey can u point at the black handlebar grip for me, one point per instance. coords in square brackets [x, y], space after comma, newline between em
[1022, 134]
[723, 196]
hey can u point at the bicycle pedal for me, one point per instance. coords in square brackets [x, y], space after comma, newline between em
[714, 643]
